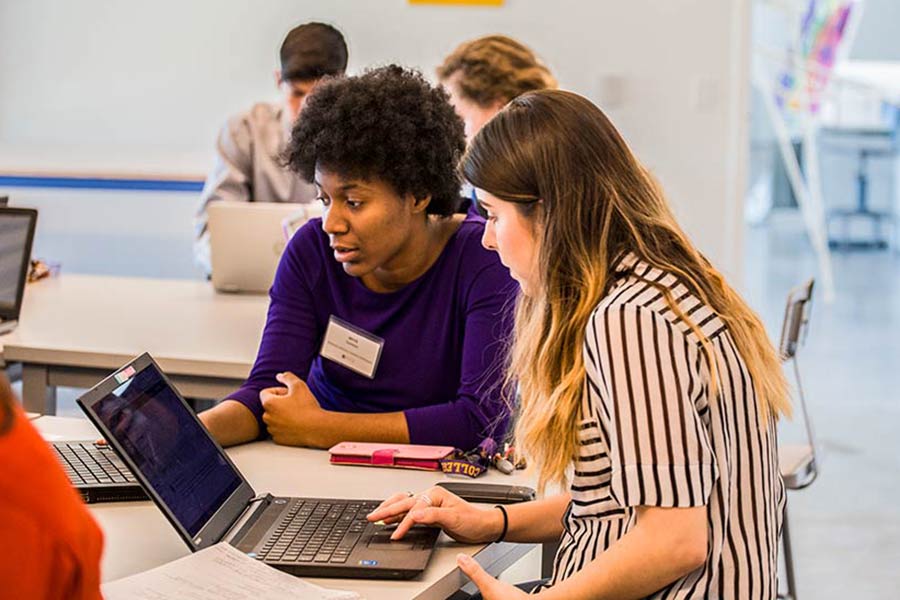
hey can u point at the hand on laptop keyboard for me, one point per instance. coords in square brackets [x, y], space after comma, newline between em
[462, 521]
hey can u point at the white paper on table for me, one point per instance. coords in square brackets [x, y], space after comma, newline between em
[218, 572]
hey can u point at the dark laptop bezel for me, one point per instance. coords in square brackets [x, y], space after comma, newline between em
[12, 314]
[222, 520]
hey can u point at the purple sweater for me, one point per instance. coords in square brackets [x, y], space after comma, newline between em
[445, 335]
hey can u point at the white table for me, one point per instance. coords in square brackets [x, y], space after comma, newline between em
[138, 537]
[76, 329]
[882, 77]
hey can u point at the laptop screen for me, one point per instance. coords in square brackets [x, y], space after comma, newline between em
[169, 446]
[15, 236]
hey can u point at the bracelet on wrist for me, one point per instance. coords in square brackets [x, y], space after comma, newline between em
[505, 523]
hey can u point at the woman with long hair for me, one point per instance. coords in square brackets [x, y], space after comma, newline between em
[648, 388]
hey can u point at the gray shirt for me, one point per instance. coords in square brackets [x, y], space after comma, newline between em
[248, 168]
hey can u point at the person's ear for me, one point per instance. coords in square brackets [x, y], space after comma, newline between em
[278, 79]
[420, 204]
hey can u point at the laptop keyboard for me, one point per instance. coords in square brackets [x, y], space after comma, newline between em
[87, 464]
[317, 532]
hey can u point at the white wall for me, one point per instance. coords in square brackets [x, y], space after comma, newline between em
[137, 233]
[103, 85]
[877, 37]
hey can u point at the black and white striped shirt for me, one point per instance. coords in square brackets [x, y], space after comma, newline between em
[650, 436]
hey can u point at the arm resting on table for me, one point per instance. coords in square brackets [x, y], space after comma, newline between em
[325, 428]
[230, 423]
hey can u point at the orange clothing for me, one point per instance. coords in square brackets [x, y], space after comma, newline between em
[50, 546]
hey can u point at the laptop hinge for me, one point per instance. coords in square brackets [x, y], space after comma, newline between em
[252, 512]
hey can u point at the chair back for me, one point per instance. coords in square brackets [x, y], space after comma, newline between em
[793, 335]
[796, 320]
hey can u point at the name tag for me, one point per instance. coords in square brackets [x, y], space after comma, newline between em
[352, 347]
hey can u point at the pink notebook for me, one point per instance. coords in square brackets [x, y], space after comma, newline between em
[403, 456]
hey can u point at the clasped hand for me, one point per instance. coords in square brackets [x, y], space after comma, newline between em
[292, 414]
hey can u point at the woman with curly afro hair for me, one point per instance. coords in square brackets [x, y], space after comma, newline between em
[388, 319]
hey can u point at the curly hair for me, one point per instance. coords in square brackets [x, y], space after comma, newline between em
[388, 124]
[495, 68]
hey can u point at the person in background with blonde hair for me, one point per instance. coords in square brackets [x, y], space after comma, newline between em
[483, 74]
[648, 387]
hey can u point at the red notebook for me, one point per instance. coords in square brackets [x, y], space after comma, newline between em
[403, 456]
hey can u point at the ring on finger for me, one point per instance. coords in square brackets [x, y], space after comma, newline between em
[426, 499]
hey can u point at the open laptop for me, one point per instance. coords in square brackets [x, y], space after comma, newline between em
[188, 475]
[246, 240]
[16, 236]
[97, 472]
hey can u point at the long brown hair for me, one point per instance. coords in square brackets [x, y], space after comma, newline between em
[591, 203]
[495, 68]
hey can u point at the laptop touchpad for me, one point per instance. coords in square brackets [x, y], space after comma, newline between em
[382, 541]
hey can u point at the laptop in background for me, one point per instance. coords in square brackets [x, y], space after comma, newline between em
[97, 473]
[16, 237]
[246, 240]
[194, 483]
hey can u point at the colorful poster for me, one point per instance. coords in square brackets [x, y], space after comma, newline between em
[811, 57]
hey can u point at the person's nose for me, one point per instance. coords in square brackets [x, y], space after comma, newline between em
[333, 221]
[488, 239]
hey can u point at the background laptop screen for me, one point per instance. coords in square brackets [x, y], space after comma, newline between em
[14, 230]
[169, 446]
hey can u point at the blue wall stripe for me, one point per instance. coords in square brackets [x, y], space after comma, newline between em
[85, 183]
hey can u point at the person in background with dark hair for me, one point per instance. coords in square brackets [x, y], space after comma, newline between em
[388, 264]
[50, 546]
[247, 166]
